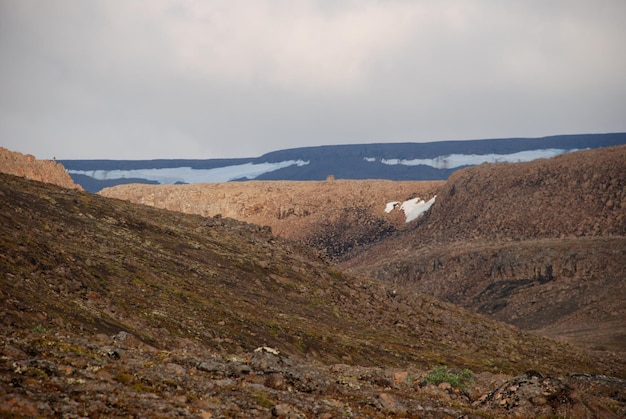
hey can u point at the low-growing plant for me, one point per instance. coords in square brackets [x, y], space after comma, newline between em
[40, 329]
[442, 374]
[123, 378]
[263, 399]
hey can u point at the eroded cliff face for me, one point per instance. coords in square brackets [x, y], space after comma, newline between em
[26, 165]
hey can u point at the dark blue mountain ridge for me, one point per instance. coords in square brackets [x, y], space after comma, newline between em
[89, 165]
[346, 161]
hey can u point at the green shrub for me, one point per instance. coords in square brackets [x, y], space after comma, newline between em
[442, 374]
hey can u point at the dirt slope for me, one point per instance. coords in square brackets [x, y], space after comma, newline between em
[334, 216]
[113, 309]
[26, 165]
[541, 245]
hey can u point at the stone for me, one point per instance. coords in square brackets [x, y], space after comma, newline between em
[400, 377]
[211, 366]
[286, 411]
[444, 386]
[389, 404]
[275, 381]
[265, 360]
[25, 165]
[238, 369]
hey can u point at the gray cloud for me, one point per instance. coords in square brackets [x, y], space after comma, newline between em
[205, 79]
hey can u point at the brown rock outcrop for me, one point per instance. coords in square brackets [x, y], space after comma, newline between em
[26, 165]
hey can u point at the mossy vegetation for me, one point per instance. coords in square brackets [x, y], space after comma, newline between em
[263, 399]
[442, 374]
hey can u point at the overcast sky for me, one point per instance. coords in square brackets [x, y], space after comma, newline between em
[123, 79]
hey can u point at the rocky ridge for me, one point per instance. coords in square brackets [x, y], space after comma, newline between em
[26, 165]
[573, 195]
[111, 309]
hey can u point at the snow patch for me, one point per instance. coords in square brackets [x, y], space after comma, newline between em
[452, 161]
[268, 350]
[188, 175]
[413, 208]
[390, 206]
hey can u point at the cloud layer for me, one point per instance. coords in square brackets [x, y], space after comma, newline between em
[208, 79]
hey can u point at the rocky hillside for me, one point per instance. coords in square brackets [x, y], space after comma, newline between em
[505, 240]
[541, 245]
[334, 216]
[19, 164]
[111, 309]
[574, 195]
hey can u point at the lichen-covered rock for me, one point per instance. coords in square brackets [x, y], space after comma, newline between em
[533, 395]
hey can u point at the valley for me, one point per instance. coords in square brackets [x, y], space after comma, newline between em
[552, 230]
[308, 299]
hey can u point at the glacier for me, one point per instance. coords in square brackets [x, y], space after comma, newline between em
[175, 175]
[453, 161]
